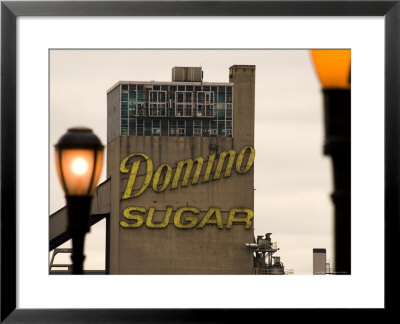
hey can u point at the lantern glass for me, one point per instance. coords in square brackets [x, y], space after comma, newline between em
[79, 170]
[333, 68]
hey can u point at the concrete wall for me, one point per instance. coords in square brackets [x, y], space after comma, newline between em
[173, 250]
[243, 76]
[113, 114]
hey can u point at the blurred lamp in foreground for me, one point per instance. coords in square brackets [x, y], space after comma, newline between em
[333, 68]
[79, 160]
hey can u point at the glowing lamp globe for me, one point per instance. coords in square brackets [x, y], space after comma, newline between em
[333, 68]
[79, 160]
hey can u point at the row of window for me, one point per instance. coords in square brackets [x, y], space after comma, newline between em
[177, 96]
[218, 111]
[203, 128]
[170, 87]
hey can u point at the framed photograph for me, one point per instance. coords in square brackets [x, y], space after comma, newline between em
[60, 57]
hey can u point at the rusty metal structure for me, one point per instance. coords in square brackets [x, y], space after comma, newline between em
[264, 261]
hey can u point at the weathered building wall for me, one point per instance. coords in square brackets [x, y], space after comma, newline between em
[213, 248]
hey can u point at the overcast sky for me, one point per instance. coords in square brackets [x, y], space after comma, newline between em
[292, 177]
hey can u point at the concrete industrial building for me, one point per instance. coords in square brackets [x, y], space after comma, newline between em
[179, 194]
[181, 125]
[319, 261]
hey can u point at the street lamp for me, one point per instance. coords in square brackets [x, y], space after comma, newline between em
[79, 160]
[333, 69]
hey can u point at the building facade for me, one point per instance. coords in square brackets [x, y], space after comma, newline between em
[180, 156]
[319, 261]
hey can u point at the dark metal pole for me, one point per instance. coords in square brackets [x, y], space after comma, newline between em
[337, 118]
[78, 208]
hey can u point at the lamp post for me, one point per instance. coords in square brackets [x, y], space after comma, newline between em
[333, 69]
[79, 160]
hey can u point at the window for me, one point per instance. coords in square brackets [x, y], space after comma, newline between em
[124, 110]
[162, 96]
[147, 128]
[140, 127]
[164, 127]
[221, 113]
[179, 96]
[132, 126]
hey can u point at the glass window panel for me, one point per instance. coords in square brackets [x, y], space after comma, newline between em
[205, 128]
[181, 88]
[221, 97]
[164, 127]
[132, 95]
[132, 87]
[124, 109]
[172, 87]
[189, 131]
[124, 87]
[156, 87]
[221, 113]
[162, 97]
[180, 96]
[132, 126]
[124, 96]
[221, 128]
[132, 111]
[164, 87]
[197, 132]
[147, 128]
[189, 88]
[188, 96]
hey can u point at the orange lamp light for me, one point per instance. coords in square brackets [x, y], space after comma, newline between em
[333, 67]
[79, 160]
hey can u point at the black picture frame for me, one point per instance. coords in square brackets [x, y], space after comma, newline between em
[10, 10]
